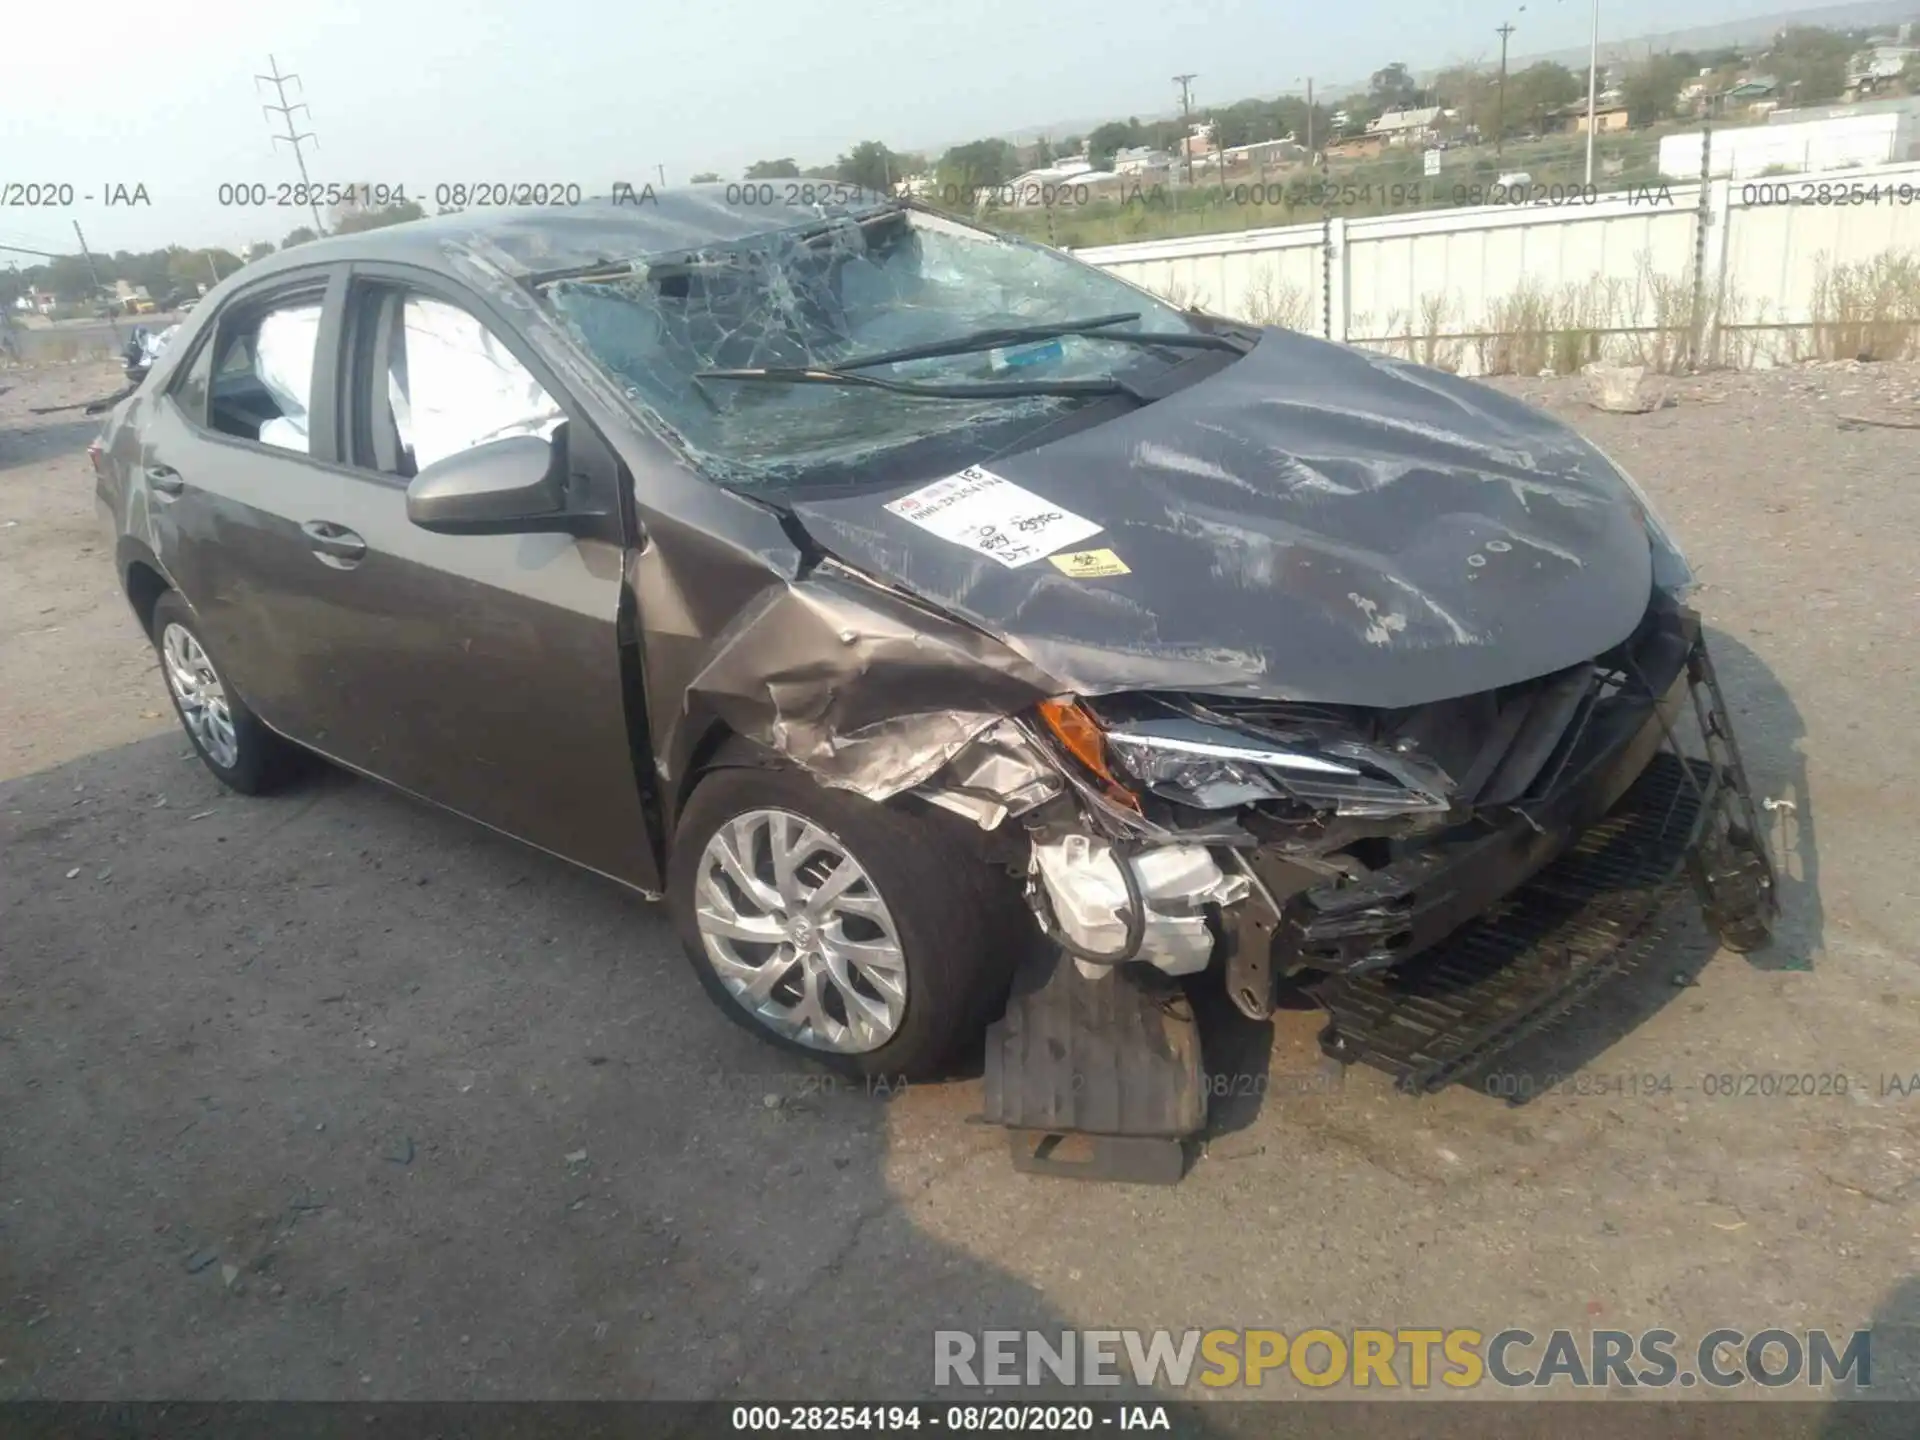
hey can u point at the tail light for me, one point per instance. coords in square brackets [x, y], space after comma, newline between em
[95, 455]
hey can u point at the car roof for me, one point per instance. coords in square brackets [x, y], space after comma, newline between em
[635, 223]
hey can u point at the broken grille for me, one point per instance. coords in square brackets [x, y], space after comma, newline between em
[1500, 747]
[1591, 914]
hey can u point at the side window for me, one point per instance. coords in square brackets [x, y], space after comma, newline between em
[190, 387]
[262, 374]
[451, 385]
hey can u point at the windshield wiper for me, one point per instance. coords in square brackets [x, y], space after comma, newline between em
[1025, 334]
[984, 390]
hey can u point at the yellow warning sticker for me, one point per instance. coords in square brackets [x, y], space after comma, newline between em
[1091, 564]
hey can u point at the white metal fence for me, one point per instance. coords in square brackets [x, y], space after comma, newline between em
[1743, 272]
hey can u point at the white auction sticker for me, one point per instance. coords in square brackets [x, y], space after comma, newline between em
[989, 513]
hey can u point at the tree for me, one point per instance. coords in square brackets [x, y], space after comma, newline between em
[782, 169]
[259, 250]
[70, 280]
[977, 165]
[1533, 94]
[1108, 139]
[1467, 90]
[1360, 112]
[705, 177]
[300, 234]
[1393, 88]
[870, 165]
[188, 270]
[1652, 87]
[1241, 123]
[1810, 64]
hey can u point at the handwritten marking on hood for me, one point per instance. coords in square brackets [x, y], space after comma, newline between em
[1380, 628]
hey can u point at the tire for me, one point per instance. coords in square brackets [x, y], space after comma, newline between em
[959, 923]
[258, 760]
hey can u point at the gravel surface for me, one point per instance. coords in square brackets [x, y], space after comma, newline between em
[335, 1096]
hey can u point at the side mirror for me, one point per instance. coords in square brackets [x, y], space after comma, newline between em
[514, 486]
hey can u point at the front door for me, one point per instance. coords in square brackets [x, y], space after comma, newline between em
[483, 672]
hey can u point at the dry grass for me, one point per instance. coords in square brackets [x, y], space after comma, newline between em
[1868, 310]
[1271, 301]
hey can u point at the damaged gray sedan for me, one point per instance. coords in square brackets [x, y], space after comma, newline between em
[913, 606]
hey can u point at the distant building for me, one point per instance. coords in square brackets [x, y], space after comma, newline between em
[1137, 159]
[1607, 118]
[1836, 143]
[1356, 147]
[1405, 127]
[1874, 69]
[1890, 105]
[1263, 154]
[1744, 95]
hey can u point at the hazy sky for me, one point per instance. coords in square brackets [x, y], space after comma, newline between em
[591, 91]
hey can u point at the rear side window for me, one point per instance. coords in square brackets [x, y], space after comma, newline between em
[261, 387]
[190, 390]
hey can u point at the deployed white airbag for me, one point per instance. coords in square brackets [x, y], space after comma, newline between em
[283, 361]
[462, 387]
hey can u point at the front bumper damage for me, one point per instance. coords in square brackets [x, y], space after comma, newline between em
[1431, 947]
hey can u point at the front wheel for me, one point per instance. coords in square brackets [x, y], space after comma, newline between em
[877, 940]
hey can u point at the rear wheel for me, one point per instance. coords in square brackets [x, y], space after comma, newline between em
[874, 939]
[230, 740]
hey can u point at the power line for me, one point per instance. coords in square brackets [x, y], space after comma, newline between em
[292, 137]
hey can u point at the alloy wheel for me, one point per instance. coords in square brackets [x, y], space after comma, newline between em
[798, 934]
[196, 685]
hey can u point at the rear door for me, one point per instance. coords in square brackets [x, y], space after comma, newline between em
[238, 453]
[484, 672]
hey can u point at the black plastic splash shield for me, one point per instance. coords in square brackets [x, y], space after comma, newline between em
[1112, 1062]
[1595, 912]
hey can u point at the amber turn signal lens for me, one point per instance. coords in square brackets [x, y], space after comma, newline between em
[1074, 728]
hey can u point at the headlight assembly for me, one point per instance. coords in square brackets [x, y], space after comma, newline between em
[1213, 767]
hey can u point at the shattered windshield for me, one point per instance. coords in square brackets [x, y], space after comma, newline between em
[814, 297]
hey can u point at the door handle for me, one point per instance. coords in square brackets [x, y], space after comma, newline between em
[334, 543]
[166, 480]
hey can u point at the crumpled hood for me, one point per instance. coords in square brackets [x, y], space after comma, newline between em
[1312, 523]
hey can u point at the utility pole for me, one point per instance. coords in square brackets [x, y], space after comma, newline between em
[292, 136]
[1186, 117]
[94, 275]
[1593, 75]
[1309, 119]
[1500, 102]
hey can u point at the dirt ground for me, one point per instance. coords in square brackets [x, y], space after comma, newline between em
[334, 1096]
